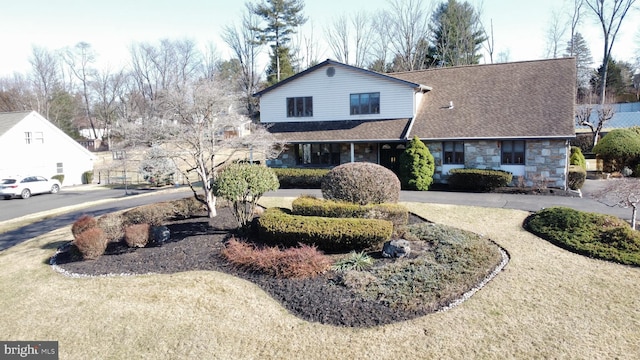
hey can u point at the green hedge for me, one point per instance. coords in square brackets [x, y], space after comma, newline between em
[278, 226]
[297, 178]
[311, 206]
[577, 177]
[478, 179]
[59, 177]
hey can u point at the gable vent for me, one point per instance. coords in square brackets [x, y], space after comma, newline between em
[331, 71]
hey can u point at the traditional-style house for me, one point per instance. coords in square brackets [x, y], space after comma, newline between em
[517, 117]
[31, 145]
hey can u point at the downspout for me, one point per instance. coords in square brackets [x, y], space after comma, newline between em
[353, 152]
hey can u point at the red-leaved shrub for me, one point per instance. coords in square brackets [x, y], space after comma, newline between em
[300, 262]
[84, 222]
[91, 243]
[137, 235]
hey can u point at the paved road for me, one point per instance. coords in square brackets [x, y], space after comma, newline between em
[506, 201]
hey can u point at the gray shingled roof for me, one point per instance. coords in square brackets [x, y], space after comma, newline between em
[346, 130]
[10, 119]
[532, 99]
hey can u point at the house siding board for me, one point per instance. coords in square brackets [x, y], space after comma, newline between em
[41, 159]
[331, 96]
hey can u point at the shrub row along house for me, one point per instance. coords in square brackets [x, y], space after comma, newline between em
[517, 117]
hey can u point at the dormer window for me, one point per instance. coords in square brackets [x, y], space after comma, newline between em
[300, 106]
[365, 103]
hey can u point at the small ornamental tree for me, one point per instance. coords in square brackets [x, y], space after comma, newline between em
[620, 148]
[416, 166]
[243, 185]
[156, 167]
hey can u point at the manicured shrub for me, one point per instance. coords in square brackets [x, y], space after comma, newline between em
[187, 207]
[137, 235]
[577, 158]
[478, 179]
[91, 243]
[153, 214]
[277, 226]
[296, 178]
[311, 206]
[298, 262]
[59, 177]
[416, 166]
[619, 148]
[87, 177]
[112, 225]
[361, 183]
[84, 223]
[595, 235]
[243, 185]
[577, 177]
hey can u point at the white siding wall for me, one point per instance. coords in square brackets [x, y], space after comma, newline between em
[331, 96]
[20, 158]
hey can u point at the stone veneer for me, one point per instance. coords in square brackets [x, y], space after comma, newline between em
[546, 161]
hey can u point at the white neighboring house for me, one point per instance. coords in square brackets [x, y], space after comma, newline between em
[31, 145]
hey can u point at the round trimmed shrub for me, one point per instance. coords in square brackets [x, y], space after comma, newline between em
[577, 177]
[361, 183]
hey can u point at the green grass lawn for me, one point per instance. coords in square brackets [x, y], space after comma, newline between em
[547, 303]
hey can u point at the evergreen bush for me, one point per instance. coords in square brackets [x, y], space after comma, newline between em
[577, 177]
[137, 235]
[478, 179]
[619, 148]
[59, 177]
[84, 223]
[311, 206]
[416, 166]
[296, 178]
[91, 243]
[87, 177]
[577, 158]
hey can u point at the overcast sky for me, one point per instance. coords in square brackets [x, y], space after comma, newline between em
[112, 26]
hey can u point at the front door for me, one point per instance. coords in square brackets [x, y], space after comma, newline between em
[390, 156]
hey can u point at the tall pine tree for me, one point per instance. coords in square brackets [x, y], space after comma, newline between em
[281, 17]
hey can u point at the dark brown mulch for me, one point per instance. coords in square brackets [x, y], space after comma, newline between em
[195, 245]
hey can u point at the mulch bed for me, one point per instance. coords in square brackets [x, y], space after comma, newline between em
[195, 245]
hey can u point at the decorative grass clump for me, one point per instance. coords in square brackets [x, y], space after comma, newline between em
[297, 262]
[153, 214]
[356, 261]
[451, 262]
[91, 243]
[361, 183]
[137, 235]
[595, 235]
[187, 207]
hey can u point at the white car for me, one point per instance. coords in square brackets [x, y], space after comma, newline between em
[24, 187]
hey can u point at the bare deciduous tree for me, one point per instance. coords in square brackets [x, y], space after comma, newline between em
[46, 78]
[80, 62]
[243, 42]
[407, 24]
[624, 193]
[610, 15]
[554, 35]
[348, 33]
[584, 114]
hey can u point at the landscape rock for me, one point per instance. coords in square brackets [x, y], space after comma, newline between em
[159, 235]
[396, 248]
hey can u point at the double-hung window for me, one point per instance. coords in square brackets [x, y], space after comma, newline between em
[28, 137]
[453, 152]
[513, 152]
[365, 103]
[300, 106]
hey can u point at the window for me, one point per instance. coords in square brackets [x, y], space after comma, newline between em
[300, 106]
[367, 103]
[513, 152]
[38, 137]
[318, 154]
[453, 152]
[28, 137]
[60, 168]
